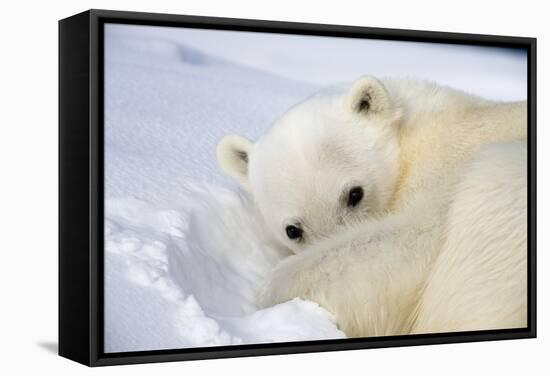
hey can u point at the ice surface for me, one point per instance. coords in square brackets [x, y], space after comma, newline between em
[185, 251]
[495, 73]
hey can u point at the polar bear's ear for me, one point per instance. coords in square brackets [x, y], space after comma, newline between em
[368, 95]
[233, 154]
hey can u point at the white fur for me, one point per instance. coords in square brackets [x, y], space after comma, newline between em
[438, 242]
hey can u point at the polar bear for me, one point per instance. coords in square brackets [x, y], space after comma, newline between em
[404, 204]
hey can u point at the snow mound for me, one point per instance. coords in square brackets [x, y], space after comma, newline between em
[185, 257]
[190, 280]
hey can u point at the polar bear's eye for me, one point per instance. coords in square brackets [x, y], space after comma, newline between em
[355, 196]
[294, 232]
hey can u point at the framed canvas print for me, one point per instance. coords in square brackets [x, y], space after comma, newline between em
[235, 187]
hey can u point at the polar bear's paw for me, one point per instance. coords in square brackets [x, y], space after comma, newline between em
[295, 277]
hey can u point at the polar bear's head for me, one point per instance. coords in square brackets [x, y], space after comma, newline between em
[330, 161]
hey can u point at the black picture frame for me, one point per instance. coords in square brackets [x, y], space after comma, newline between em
[81, 186]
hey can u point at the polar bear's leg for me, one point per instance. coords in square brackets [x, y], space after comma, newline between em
[479, 280]
[369, 283]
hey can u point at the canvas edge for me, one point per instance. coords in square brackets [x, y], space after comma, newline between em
[74, 189]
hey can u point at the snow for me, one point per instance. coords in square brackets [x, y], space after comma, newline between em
[185, 249]
[496, 73]
[165, 289]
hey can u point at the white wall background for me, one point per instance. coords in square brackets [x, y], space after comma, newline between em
[28, 206]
